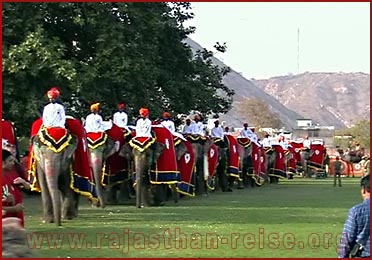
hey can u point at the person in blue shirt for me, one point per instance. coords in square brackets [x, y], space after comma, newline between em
[356, 228]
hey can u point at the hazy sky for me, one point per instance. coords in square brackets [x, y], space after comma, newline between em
[262, 38]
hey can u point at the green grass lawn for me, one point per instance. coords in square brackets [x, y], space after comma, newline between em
[293, 219]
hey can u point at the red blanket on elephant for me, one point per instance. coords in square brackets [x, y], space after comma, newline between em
[297, 146]
[116, 169]
[82, 178]
[258, 162]
[316, 159]
[186, 165]
[166, 171]
[233, 156]
[212, 160]
[279, 164]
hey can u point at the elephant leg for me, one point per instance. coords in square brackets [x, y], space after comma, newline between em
[46, 198]
[52, 182]
[175, 194]
[124, 191]
[68, 197]
[142, 190]
[112, 194]
[159, 194]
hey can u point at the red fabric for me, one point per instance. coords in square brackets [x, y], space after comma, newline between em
[7, 180]
[186, 164]
[116, 163]
[297, 149]
[57, 133]
[233, 154]
[81, 155]
[256, 159]
[7, 131]
[279, 158]
[94, 136]
[36, 126]
[317, 154]
[167, 160]
[212, 160]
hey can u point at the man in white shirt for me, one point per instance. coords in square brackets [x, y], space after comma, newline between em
[306, 142]
[266, 142]
[167, 122]
[217, 131]
[94, 121]
[120, 118]
[248, 133]
[283, 143]
[187, 127]
[143, 124]
[197, 127]
[54, 114]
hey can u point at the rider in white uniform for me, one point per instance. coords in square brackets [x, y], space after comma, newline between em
[167, 122]
[54, 114]
[197, 127]
[143, 124]
[94, 122]
[120, 118]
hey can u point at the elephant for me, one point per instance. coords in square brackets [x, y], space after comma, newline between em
[245, 161]
[305, 155]
[200, 146]
[54, 178]
[269, 162]
[221, 169]
[351, 157]
[144, 152]
[100, 147]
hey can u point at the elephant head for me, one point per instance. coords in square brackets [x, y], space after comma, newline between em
[143, 161]
[54, 177]
[99, 152]
[201, 150]
[246, 165]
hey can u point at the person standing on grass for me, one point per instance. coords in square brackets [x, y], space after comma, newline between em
[337, 171]
[355, 240]
[12, 201]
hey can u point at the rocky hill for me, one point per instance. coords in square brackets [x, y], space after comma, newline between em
[338, 99]
[330, 99]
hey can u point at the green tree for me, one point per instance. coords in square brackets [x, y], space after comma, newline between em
[360, 133]
[258, 114]
[106, 52]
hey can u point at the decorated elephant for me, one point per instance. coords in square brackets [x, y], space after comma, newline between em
[100, 147]
[53, 173]
[245, 162]
[145, 153]
[269, 162]
[221, 169]
[201, 145]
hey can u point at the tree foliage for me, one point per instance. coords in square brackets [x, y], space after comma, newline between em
[360, 133]
[257, 113]
[106, 52]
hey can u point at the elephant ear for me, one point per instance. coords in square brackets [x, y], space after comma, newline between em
[72, 147]
[207, 146]
[36, 147]
[110, 148]
[126, 151]
[159, 148]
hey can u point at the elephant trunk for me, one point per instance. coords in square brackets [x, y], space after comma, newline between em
[97, 163]
[51, 174]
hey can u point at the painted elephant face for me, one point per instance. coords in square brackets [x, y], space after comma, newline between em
[46, 156]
